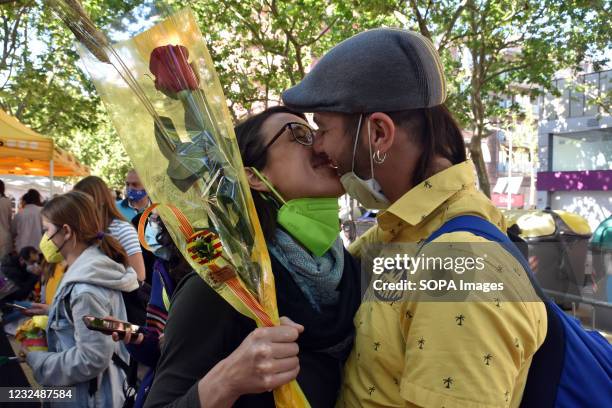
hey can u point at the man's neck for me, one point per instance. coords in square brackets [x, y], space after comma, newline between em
[396, 173]
[396, 177]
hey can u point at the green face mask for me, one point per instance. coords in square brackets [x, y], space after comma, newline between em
[313, 222]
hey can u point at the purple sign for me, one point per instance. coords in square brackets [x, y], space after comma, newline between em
[587, 180]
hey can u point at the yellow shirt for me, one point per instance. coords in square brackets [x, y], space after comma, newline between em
[53, 282]
[473, 353]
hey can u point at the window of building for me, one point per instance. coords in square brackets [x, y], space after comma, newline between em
[591, 82]
[577, 151]
[576, 100]
[563, 104]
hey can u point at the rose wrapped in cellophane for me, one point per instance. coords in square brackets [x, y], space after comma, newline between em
[167, 105]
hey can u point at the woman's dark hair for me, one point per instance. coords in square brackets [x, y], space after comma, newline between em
[32, 197]
[434, 129]
[101, 194]
[79, 211]
[2, 189]
[27, 251]
[251, 145]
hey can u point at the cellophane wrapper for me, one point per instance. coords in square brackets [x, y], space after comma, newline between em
[176, 128]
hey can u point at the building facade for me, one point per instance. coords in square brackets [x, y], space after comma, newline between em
[575, 147]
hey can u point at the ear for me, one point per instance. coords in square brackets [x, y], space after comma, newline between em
[382, 131]
[255, 182]
[67, 231]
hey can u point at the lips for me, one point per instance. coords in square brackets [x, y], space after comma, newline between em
[320, 160]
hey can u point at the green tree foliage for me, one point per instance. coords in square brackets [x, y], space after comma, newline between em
[509, 47]
[262, 47]
[490, 49]
[42, 85]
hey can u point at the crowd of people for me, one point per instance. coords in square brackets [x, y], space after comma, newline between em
[384, 137]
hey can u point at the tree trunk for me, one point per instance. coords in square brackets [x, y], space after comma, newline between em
[479, 163]
[475, 144]
[477, 50]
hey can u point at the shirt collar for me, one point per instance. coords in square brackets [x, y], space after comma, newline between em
[420, 201]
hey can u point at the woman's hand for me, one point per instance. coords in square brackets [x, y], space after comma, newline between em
[134, 338]
[266, 359]
[36, 309]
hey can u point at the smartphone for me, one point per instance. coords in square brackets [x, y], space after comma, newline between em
[16, 306]
[108, 326]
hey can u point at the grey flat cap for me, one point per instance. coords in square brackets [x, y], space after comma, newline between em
[381, 70]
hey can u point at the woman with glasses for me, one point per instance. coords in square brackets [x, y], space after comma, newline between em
[210, 353]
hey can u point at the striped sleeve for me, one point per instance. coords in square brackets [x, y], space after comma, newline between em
[126, 234]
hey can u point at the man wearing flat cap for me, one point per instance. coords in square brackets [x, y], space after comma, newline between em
[377, 99]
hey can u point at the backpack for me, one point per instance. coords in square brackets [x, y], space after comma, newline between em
[573, 367]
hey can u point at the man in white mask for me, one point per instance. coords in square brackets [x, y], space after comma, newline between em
[377, 99]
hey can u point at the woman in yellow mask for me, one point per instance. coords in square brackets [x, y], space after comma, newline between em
[97, 272]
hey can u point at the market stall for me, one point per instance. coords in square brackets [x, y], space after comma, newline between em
[25, 152]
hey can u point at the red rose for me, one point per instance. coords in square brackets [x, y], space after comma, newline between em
[170, 65]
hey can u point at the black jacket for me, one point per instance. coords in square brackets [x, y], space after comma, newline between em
[19, 275]
[202, 329]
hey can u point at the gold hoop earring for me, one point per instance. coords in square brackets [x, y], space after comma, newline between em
[378, 158]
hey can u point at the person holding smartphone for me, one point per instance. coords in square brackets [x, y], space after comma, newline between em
[97, 272]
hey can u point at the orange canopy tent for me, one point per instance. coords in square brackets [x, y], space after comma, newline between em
[25, 152]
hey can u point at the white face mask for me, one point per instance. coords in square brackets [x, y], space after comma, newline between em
[367, 192]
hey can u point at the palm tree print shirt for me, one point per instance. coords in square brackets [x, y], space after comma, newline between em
[443, 354]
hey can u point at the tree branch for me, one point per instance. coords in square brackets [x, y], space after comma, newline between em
[420, 20]
[322, 33]
[450, 26]
[429, 4]
[502, 71]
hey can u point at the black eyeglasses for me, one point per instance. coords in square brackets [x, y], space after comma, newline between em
[301, 133]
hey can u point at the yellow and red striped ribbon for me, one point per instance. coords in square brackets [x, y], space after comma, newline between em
[214, 264]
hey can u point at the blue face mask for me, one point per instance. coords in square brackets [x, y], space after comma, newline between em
[136, 195]
[151, 232]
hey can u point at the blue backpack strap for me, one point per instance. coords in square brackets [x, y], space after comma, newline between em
[483, 228]
[547, 364]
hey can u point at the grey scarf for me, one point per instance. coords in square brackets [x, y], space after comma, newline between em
[317, 277]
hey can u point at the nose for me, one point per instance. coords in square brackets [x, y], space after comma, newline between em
[317, 144]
